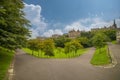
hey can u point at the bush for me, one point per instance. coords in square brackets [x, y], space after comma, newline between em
[49, 47]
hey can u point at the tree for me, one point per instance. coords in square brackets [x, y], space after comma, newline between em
[60, 41]
[33, 45]
[49, 47]
[111, 34]
[14, 28]
[72, 46]
[84, 41]
[87, 34]
[99, 40]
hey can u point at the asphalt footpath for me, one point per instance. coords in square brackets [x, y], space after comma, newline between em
[28, 67]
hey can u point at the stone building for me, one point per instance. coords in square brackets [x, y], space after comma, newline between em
[55, 35]
[73, 33]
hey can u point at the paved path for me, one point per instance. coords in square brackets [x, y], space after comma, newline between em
[31, 68]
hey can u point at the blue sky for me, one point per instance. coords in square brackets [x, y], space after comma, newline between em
[59, 16]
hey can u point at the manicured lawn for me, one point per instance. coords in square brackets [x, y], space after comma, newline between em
[57, 53]
[5, 60]
[101, 57]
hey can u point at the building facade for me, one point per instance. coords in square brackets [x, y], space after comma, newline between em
[73, 33]
[55, 35]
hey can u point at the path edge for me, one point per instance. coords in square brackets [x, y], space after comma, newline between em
[10, 72]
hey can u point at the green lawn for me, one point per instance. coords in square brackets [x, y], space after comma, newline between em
[5, 60]
[101, 57]
[57, 53]
[114, 42]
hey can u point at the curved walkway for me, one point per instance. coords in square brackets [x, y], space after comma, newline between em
[30, 68]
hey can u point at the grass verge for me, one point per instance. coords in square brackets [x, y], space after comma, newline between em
[57, 53]
[114, 42]
[101, 57]
[5, 60]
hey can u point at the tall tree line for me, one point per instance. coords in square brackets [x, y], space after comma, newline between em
[14, 28]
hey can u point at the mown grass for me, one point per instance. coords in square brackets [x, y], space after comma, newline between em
[114, 42]
[5, 60]
[101, 57]
[57, 53]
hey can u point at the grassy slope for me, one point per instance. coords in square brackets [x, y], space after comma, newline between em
[5, 60]
[101, 58]
[58, 54]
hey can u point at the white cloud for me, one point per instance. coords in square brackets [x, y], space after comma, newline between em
[118, 22]
[75, 25]
[89, 23]
[50, 32]
[33, 13]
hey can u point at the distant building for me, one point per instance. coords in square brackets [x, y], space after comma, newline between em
[41, 38]
[114, 26]
[55, 35]
[73, 33]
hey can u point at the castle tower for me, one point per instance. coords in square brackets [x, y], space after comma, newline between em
[114, 24]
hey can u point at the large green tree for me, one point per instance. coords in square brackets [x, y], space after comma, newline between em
[72, 46]
[85, 41]
[13, 25]
[111, 33]
[99, 40]
[49, 47]
[60, 41]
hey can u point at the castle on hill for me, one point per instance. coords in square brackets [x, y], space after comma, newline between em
[114, 26]
[73, 33]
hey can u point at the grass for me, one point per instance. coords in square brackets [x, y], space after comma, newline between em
[57, 53]
[5, 60]
[101, 57]
[114, 42]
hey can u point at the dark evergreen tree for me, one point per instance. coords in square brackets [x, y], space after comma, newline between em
[13, 25]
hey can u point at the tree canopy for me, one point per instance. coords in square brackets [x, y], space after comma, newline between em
[14, 27]
[99, 40]
[73, 45]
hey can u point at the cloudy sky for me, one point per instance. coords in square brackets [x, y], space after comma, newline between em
[50, 17]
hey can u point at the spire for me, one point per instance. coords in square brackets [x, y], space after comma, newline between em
[114, 24]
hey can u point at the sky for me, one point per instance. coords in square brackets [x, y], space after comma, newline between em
[50, 17]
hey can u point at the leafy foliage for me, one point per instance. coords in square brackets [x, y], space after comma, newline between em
[85, 42]
[111, 34]
[60, 41]
[49, 47]
[13, 25]
[33, 45]
[72, 46]
[99, 40]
